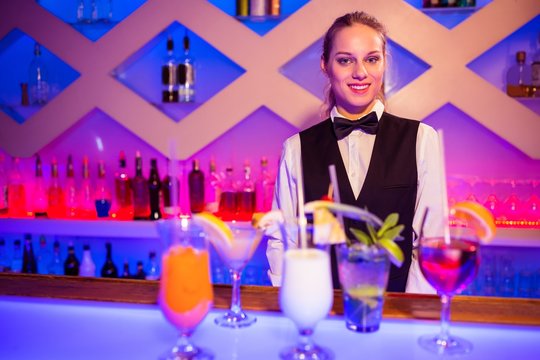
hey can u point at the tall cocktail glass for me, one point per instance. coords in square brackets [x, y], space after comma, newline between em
[185, 289]
[236, 254]
[306, 293]
[449, 265]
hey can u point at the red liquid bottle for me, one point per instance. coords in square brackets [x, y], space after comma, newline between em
[227, 199]
[16, 192]
[124, 195]
[3, 188]
[71, 194]
[87, 208]
[40, 201]
[141, 196]
[57, 209]
[196, 188]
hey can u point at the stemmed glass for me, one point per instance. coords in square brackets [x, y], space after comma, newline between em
[236, 255]
[306, 295]
[449, 265]
[185, 290]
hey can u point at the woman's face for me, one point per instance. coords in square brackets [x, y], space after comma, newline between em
[355, 69]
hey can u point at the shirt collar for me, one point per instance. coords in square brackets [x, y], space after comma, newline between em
[378, 107]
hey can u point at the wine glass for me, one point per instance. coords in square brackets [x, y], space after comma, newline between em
[306, 295]
[449, 265]
[236, 255]
[185, 290]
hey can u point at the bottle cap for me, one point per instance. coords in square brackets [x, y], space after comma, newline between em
[86, 247]
[521, 56]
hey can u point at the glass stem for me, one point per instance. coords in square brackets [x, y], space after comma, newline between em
[305, 342]
[236, 307]
[183, 345]
[445, 317]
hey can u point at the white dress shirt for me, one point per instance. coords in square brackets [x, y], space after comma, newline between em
[356, 150]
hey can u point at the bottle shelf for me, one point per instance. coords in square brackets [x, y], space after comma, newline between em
[450, 9]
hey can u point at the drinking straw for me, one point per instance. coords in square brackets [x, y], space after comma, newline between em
[173, 173]
[302, 221]
[444, 190]
[335, 186]
[422, 224]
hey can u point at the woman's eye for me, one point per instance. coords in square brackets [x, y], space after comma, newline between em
[373, 59]
[344, 61]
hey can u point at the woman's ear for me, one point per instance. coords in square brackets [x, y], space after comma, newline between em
[323, 66]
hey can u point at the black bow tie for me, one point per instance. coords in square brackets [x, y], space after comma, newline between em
[368, 123]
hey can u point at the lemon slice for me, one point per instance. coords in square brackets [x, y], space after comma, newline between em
[266, 220]
[327, 229]
[349, 211]
[218, 231]
[477, 217]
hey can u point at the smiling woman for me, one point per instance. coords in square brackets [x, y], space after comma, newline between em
[384, 163]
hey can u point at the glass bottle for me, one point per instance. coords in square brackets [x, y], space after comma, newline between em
[171, 192]
[56, 202]
[16, 192]
[102, 195]
[55, 266]
[109, 269]
[17, 259]
[40, 192]
[518, 76]
[227, 200]
[258, 7]
[43, 256]
[71, 192]
[140, 274]
[196, 188]
[152, 267]
[38, 79]
[169, 76]
[264, 187]
[87, 267]
[154, 190]
[5, 263]
[242, 7]
[141, 197]
[71, 264]
[3, 187]
[212, 188]
[535, 69]
[246, 198]
[124, 195]
[87, 206]
[186, 74]
[125, 270]
[29, 259]
[274, 7]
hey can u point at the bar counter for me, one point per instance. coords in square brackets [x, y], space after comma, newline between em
[57, 317]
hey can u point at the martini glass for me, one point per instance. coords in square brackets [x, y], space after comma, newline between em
[236, 254]
[185, 290]
[449, 265]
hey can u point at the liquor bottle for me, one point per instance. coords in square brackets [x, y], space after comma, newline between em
[55, 266]
[87, 268]
[40, 192]
[125, 270]
[3, 187]
[152, 267]
[71, 193]
[518, 76]
[94, 13]
[154, 190]
[257, 7]
[80, 11]
[264, 187]
[246, 198]
[102, 195]
[5, 263]
[171, 193]
[140, 274]
[535, 70]
[16, 192]
[38, 79]
[227, 200]
[196, 188]
[71, 264]
[186, 74]
[56, 202]
[169, 76]
[242, 7]
[29, 259]
[43, 256]
[274, 7]
[466, 3]
[141, 197]
[109, 269]
[17, 259]
[124, 195]
[212, 189]
[87, 206]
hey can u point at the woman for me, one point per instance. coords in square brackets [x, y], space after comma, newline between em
[383, 162]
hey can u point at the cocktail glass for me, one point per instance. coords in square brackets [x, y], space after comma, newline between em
[363, 275]
[306, 294]
[185, 289]
[449, 265]
[236, 254]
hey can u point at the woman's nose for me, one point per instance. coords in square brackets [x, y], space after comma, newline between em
[359, 71]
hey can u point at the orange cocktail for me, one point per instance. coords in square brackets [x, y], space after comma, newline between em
[185, 294]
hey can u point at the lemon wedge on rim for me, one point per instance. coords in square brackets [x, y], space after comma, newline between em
[218, 231]
[327, 229]
[477, 217]
[265, 220]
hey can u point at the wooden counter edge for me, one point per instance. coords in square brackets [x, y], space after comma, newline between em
[264, 298]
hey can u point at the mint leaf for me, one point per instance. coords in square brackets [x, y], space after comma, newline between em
[361, 236]
[390, 221]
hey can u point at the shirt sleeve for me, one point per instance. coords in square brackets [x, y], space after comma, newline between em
[285, 199]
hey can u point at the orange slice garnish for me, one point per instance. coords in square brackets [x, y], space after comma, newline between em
[476, 217]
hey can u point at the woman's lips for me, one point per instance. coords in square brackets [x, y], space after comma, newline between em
[359, 88]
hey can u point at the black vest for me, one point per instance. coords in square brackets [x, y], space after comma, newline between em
[390, 184]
